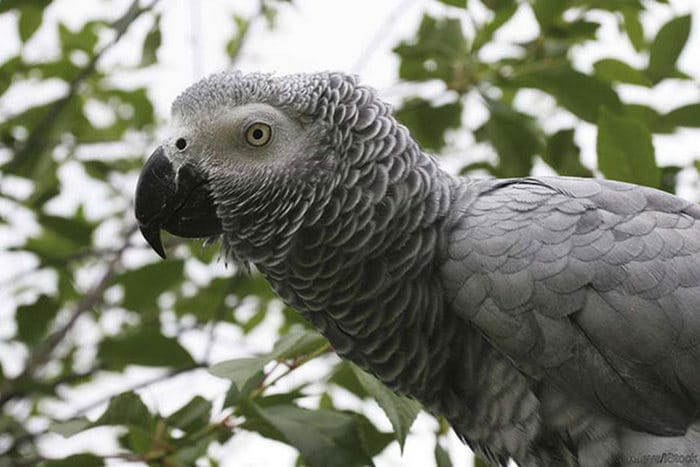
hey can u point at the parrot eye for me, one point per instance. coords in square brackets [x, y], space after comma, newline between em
[181, 143]
[258, 134]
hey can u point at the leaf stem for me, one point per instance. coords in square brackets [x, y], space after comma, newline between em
[293, 365]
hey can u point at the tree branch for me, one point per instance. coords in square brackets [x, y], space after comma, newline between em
[34, 143]
[83, 410]
[42, 352]
[157, 379]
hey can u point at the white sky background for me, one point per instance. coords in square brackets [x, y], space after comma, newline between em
[311, 35]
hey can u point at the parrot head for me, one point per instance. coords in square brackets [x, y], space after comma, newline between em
[249, 155]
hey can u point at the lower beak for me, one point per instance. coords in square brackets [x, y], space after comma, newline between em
[179, 203]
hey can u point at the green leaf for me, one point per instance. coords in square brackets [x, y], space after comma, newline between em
[324, 438]
[297, 342]
[457, 3]
[206, 252]
[123, 22]
[29, 21]
[568, 34]
[400, 410]
[60, 237]
[236, 396]
[138, 440]
[616, 71]
[552, 46]
[292, 318]
[144, 285]
[625, 150]
[373, 440]
[151, 44]
[485, 32]
[515, 137]
[209, 301]
[442, 458]
[143, 346]
[479, 462]
[255, 320]
[428, 123]
[192, 416]
[100, 170]
[326, 402]
[253, 284]
[669, 178]
[232, 396]
[8, 70]
[548, 12]
[70, 427]
[240, 370]
[617, 5]
[285, 398]
[77, 460]
[61, 68]
[233, 47]
[85, 39]
[439, 51]
[667, 47]
[496, 5]
[75, 228]
[686, 116]
[33, 159]
[634, 29]
[580, 94]
[563, 155]
[269, 11]
[143, 116]
[126, 409]
[343, 375]
[7, 5]
[66, 285]
[476, 166]
[644, 114]
[33, 320]
[188, 454]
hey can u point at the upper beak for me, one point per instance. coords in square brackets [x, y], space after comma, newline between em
[179, 203]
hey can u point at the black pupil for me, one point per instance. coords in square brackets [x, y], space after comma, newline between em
[181, 143]
[258, 133]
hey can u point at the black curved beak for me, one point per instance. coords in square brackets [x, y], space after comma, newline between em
[179, 203]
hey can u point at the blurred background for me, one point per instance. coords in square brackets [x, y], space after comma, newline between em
[110, 356]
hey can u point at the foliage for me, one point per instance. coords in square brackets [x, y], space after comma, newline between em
[544, 63]
[94, 280]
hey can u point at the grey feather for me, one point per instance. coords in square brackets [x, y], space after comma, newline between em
[552, 321]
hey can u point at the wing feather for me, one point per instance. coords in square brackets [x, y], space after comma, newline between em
[592, 284]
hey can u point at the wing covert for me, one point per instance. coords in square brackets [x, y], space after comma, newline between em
[592, 284]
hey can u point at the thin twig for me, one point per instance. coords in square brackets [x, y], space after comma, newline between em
[293, 365]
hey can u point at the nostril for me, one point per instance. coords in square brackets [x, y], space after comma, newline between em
[181, 143]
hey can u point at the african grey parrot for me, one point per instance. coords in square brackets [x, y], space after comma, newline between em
[552, 321]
